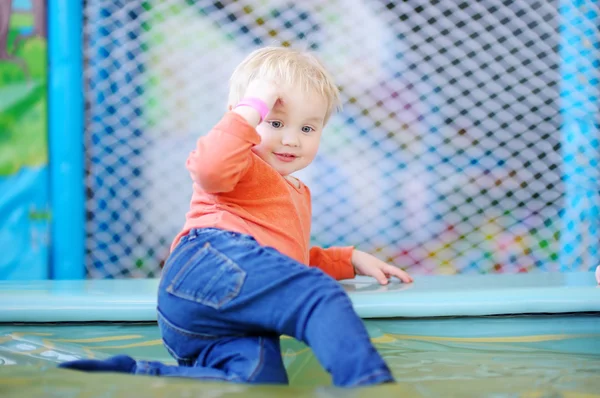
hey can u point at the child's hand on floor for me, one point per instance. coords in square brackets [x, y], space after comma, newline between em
[366, 264]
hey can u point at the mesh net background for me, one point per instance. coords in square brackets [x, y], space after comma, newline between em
[446, 158]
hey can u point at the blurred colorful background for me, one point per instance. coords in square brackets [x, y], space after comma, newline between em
[467, 143]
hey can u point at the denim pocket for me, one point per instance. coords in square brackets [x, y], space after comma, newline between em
[209, 278]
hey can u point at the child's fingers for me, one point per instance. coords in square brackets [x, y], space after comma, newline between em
[380, 276]
[398, 273]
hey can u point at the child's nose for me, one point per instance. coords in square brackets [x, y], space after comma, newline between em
[290, 138]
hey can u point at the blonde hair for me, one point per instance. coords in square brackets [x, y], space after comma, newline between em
[288, 66]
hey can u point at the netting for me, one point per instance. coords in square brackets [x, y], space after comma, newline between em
[448, 156]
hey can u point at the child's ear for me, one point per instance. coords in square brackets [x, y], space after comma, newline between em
[230, 107]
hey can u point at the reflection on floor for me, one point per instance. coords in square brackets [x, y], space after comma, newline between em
[514, 354]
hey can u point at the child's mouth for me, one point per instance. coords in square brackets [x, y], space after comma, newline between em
[285, 157]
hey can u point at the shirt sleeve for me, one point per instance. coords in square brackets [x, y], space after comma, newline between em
[334, 261]
[223, 156]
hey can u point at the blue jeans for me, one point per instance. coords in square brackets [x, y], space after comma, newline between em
[224, 300]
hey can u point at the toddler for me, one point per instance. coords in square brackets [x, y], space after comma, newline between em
[241, 272]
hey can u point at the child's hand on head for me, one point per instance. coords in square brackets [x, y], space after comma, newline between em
[258, 91]
[264, 89]
[366, 264]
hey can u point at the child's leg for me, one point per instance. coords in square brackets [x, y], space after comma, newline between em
[252, 359]
[233, 286]
[235, 359]
[217, 355]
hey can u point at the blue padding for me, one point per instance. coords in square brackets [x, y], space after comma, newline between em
[475, 295]
[464, 295]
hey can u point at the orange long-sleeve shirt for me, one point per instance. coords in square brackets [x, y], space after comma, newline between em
[236, 190]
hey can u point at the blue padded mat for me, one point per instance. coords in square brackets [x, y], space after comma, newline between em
[429, 296]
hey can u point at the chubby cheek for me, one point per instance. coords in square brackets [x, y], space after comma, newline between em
[263, 150]
[266, 143]
[311, 150]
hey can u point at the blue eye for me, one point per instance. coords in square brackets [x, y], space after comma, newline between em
[275, 124]
[307, 129]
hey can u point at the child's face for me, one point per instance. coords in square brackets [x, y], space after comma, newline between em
[291, 132]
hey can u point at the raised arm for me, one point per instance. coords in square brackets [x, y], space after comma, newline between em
[222, 157]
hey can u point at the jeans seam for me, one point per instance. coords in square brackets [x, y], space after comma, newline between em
[260, 362]
[367, 378]
[183, 250]
[183, 269]
[174, 355]
[237, 268]
[147, 370]
[247, 240]
[184, 332]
